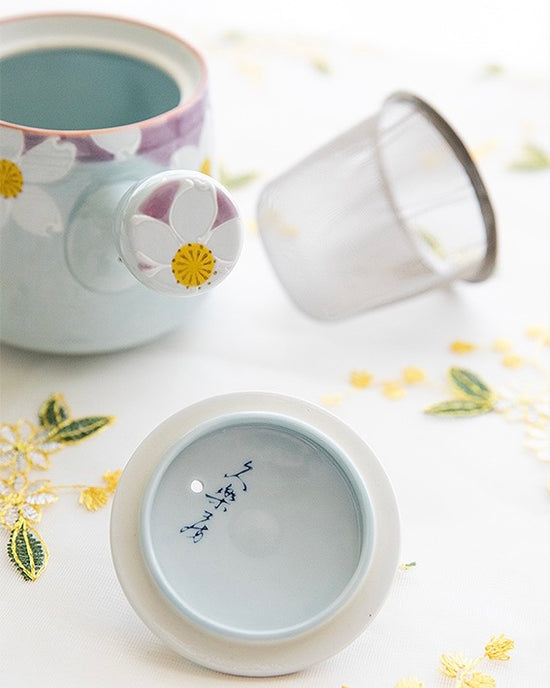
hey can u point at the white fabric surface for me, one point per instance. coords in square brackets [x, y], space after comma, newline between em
[474, 504]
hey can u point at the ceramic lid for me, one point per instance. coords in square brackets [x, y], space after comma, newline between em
[255, 533]
[179, 232]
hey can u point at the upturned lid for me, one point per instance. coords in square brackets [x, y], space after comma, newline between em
[255, 533]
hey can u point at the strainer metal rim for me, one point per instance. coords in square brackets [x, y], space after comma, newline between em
[488, 262]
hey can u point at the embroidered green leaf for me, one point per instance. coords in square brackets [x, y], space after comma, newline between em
[460, 408]
[320, 64]
[53, 411]
[493, 69]
[532, 158]
[27, 551]
[72, 431]
[233, 181]
[469, 386]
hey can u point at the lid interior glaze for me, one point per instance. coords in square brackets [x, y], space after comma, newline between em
[297, 565]
[257, 526]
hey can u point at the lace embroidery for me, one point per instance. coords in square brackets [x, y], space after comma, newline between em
[525, 399]
[464, 671]
[26, 448]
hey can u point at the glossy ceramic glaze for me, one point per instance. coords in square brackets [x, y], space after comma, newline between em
[90, 106]
[255, 533]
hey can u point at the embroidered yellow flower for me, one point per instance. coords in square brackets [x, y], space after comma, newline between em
[21, 500]
[23, 446]
[412, 375]
[512, 361]
[393, 390]
[453, 665]
[499, 648]
[463, 670]
[94, 498]
[477, 680]
[502, 345]
[461, 347]
[539, 332]
[360, 379]
[111, 479]
[410, 682]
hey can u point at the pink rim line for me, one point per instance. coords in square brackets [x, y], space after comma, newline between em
[152, 121]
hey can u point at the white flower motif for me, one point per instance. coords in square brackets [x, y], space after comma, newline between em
[197, 157]
[121, 143]
[526, 406]
[21, 500]
[22, 175]
[22, 446]
[188, 253]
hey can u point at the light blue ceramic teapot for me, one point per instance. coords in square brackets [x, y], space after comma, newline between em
[108, 210]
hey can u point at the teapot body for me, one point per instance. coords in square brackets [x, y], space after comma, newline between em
[90, 106]
[63, 285]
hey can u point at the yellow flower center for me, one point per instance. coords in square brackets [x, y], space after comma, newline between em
[14, 499]
[193, 265]
[22, 448]
[206, 167]
[11, 179]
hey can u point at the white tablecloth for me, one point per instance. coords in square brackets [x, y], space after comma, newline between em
[474, 501]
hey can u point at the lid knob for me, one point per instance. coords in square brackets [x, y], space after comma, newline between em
[179, 232]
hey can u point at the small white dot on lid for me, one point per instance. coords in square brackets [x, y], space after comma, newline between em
[196, 486]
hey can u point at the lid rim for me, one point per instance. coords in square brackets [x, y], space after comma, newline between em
[235, 655]
[335, 455]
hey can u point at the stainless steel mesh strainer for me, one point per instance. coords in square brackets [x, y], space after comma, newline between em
[391, 208]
